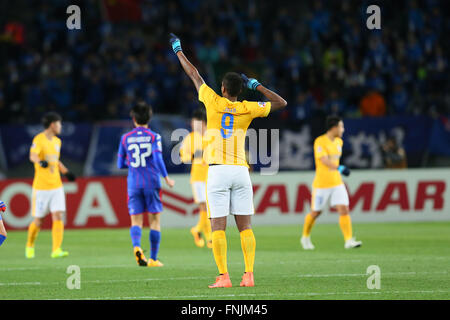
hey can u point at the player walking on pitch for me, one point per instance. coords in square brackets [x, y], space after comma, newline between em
[3, 233]
[48, 192]
[229, 189]
[191, 151]
[328, 183]
[140, 150]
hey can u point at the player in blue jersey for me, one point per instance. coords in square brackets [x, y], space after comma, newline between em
[2, 226]
[140, 151]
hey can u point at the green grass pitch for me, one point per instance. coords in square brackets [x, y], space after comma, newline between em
[414, 259]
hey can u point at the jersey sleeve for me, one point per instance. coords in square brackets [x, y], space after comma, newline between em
[207, 96]
[159, 161]
[259, 109]
[319, 149]
[36, 146]
[157, 144]
[122, 155]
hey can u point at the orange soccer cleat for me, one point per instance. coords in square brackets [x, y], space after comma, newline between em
[155, 263]
[248, 280]
[140, 258]
[222, 281]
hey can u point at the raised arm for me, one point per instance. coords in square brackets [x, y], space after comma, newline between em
[188, 67]
[276, 101]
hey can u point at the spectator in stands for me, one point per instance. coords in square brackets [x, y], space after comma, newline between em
[399, 100]
[301, 46]
[373, 105]
[394, 155]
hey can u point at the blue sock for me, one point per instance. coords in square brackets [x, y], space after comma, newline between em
[2, 239]
[155, 239]
[136, 233]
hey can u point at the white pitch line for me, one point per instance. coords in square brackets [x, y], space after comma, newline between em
[208, 277]
[194, 265]
[364, 274]
[21, 284]
[293, 294]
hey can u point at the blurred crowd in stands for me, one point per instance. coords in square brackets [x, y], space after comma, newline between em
[318, 54]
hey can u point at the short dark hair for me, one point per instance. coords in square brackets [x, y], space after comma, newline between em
[332, 121]
[233, 83]
[199, 114]
[49, 118]
[141, 112]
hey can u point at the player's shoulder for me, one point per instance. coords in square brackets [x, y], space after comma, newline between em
[126, 135]
[261, 104]
[244, 106]
[57, 139]
[38, 136]
[195, 135]
[319, 139]
[340, 141]
[155, 135]
[204, 89]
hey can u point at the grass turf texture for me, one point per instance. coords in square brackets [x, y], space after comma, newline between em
[414, 259]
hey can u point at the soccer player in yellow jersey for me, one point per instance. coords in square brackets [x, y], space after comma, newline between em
[328, 184]
[191, 151]
[48, 193]
[229, 189]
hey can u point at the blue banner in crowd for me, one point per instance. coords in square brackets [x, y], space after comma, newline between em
[16, 141]
[440, 137]
[102, 156]
[363, 140]
[96, 145]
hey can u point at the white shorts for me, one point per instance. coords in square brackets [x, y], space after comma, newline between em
[199, 191]
[229, 191]
[44, 201]
[319, 197]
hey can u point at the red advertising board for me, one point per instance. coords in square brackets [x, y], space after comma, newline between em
[375, 196]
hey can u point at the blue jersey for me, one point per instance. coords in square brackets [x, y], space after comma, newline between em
[140, 151]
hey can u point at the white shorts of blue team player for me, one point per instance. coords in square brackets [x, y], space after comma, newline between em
[45, 201]
[199, 191]
[338, 196]
[229, 191]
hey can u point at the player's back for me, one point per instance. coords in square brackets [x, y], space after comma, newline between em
[138, 147]
[227, 124]
[191, 151]
[323, 146]
[49, 150]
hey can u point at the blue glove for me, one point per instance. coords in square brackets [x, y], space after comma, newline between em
[250, 82]
[344, 170]
[175, 42]
[2, 206]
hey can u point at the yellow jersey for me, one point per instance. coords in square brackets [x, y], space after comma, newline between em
[227, 124]
[326, 177]
[191, 151]
[47, 149]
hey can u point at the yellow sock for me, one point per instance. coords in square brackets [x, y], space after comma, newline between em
[345, 223]
[248, 244]
[308, 224]
[33, 231]
[206, 225]
[57, 234]
[219, 247]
